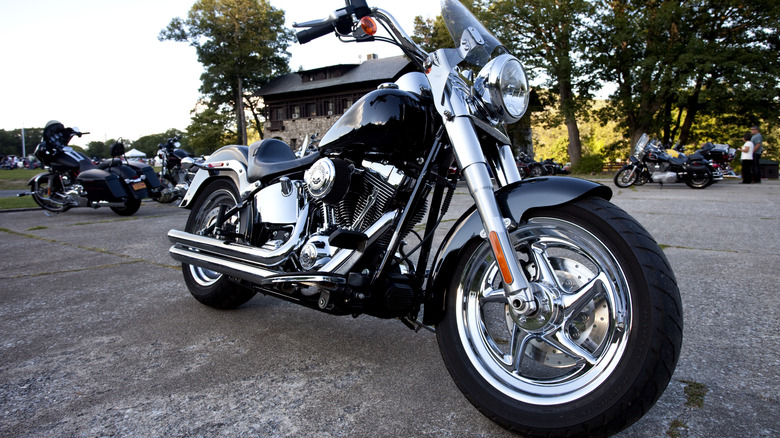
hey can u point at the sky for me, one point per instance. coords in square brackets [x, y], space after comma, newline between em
[98, 65]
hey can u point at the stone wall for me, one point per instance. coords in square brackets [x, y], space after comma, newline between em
[296, 130]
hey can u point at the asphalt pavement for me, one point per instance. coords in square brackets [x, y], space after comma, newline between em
[99, 336]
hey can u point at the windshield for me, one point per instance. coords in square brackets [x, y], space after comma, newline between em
[458, 19]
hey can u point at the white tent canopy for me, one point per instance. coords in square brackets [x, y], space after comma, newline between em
[135, 153]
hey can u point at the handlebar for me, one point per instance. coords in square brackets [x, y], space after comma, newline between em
[314, 32]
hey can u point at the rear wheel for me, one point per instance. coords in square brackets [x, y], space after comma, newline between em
[130, 208]
[209, 287]
[536, 169]
[700, 180]
[604, 343]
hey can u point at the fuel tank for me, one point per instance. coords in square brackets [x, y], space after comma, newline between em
[385, 124]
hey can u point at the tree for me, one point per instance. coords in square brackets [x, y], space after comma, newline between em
[548, 35]
[671, 59]
[242, 45]
[207, 131]
[149, 144]
[432, 34]
[11, 141]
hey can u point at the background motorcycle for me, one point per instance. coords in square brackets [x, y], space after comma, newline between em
[555, 312]
[651, 162]
[528, 167]
[551, 167]
[678, 151]
[73, 180]
[178, 169]
[720, 156]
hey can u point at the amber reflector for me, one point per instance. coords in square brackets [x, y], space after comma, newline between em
[368, 25]
[500, 258]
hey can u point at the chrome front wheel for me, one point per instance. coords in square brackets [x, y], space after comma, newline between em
[548, 373]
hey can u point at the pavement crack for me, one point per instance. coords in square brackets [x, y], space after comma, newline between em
[86, 248]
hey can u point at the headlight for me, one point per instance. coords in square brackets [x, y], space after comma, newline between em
[503, 88]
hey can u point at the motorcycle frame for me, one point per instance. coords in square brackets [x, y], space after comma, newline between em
[492, 217]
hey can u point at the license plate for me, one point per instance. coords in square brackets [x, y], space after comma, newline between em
[139, 186]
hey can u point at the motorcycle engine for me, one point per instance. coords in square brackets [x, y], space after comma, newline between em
[350, 197]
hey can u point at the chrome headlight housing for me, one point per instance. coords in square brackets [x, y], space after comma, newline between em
[502, 87]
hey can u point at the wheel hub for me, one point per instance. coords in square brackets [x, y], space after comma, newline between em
[548, 315]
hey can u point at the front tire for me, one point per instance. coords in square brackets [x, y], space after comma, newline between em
[49, 194]
[209, 287]
[626, 177]
[604, 344]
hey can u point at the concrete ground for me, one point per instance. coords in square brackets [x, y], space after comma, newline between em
[99, 336]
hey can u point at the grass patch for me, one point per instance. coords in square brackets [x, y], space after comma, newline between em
[17, 202]
[676, 428]
[39, 227]
[694, 393]
[16, 178]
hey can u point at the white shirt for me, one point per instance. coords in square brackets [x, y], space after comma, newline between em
[749, 154]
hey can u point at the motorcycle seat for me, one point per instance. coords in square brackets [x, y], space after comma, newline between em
[677, 161]
[271, 158]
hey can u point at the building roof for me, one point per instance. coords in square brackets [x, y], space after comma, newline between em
[372, 70]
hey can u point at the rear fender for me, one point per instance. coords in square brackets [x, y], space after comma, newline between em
[514, 201]
[229, 162]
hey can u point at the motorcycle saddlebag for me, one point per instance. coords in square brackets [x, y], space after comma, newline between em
[152, 180]
[101, 185]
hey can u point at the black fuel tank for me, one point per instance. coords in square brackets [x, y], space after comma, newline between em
[387, 124]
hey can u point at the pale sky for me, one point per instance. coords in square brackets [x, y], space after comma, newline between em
[97, 64]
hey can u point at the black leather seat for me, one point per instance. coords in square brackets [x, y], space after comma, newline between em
[271, 158]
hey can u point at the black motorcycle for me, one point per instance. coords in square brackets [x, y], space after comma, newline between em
[552, 167]
[555, 311]
[528, 167]
[178, 169]
[652, 163]
[720, 155]
[73, 180]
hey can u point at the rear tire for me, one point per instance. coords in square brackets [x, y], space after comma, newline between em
[209, 287]
[700, 182]
[131, 207]
[603, 347]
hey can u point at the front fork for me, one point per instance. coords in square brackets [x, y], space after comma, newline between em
[474, 168]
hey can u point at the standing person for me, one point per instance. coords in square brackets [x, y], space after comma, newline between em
[758, 149]
[747, 160]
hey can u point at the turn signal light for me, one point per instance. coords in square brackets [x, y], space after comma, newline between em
[500, 258]
[368, 25]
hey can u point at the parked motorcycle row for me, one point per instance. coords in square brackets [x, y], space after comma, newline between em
[530, 168]
[555, 312]
[73, 180]
[651, 162]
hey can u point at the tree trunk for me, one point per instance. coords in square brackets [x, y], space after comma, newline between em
[568, 109]
[240, 119]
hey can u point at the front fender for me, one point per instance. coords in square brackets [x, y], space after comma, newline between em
[32, 182]
[514, 201]
[227, 162]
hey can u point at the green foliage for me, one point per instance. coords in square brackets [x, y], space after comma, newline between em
[11, 141]
[432, 34]
[98, 149]
[242, 44]
[589, 164]
[149, 144]
[207, 132]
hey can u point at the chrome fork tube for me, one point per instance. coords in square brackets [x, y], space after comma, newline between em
[471, 160]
